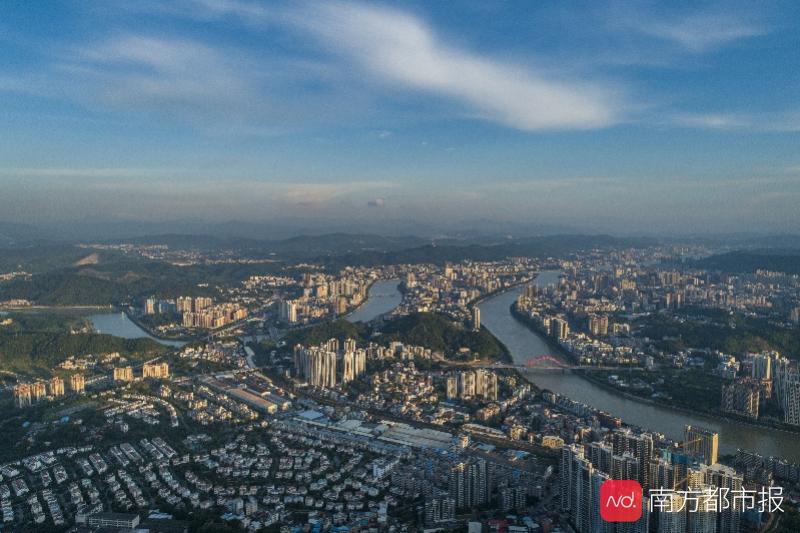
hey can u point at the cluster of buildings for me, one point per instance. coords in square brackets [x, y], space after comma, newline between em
[27, 394]
[470, 384]
[679, 472]
[768, 377]
[401, 389]
[317, 365]
[324, 296]
[157, 370]
[8, 276]
[595, 339]
[742, 397]
[198, 312]
[281, 459]
[150, 370]
[454, 487]
[214, 316]
[227, 352]
[454, 288]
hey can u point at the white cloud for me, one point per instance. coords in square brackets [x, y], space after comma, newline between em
[697, 32]
[720, 121]
[784, 121]
[174, 75]
[397, 48]
[90, 172]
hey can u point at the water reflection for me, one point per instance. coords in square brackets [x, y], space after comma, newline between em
[523, 344]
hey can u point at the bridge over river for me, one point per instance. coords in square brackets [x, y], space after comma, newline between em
[548, 363]
[523, 343]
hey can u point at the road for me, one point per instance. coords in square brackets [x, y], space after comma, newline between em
[505, 444]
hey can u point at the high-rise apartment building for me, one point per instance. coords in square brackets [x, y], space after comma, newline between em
[22, 395]
[640, 446]
[439, 509]
[469, 483]
[762, 366]
[598, 325]
[702, 443]
[77, 383]
[288, 311]
[55, 387]
[38, 391]
[728, 480]
[183, 304]
[353, 364]
[511, 499]
[741, 397]
[559, 328]
[674, 519]
[470, 384]
[787, 389]
[124, 373]
[316, 365]
[155, 370]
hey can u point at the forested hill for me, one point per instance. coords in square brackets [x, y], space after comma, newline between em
[749, 261]
[34, 343]
[541, 247]
[429, 330]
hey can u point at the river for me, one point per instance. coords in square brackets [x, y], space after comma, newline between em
[382, 297]
[524, 343]
[119, 325]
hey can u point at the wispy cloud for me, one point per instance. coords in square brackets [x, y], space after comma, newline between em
[786, 121]
[221, 88]
[717, 121]
[694, 32]
[90, 172]
[344, 62]
[172, 75]
[398, 48]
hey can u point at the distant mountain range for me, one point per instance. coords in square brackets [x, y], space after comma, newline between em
[380, 234]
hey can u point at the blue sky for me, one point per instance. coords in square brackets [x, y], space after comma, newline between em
[608, 116]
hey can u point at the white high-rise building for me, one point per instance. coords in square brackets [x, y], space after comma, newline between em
[486, 384]
[469, 384]
[787, 390]
[316, 366]
[348, 367]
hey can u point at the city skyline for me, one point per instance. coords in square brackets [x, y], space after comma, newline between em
[661, 119]
[368, 266]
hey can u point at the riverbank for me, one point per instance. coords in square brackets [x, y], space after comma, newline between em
[586, 374]
[160, 337]
[544, 335]
[524, 343]
[507, 358]
[67, 309]
[480, 299]
[363, 305]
